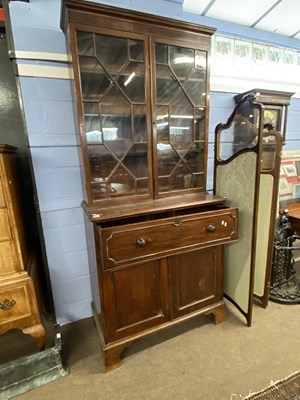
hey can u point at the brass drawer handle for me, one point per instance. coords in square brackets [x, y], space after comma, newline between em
[177, 222]
[7, 304]
[210, 228]
[141, 242]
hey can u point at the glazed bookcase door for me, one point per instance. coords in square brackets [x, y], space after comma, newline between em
[237, 177]
[114, 113]
[180, 104]
[139, 142]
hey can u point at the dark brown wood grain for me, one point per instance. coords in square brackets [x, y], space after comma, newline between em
[130, 243]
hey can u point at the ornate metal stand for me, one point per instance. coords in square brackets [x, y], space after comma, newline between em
[284, 287]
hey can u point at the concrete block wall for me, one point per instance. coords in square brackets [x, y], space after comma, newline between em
[293, 129]
[53, 140]
[221, 106]
[48, 107]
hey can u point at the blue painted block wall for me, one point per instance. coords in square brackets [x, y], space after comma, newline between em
[48, 107]
[52, 133]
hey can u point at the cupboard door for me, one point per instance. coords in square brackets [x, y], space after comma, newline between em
[197, 280]
[135, 298]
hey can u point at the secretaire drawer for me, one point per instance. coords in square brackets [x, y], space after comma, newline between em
[121, 244]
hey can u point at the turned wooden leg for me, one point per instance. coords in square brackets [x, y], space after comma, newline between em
[37, 332]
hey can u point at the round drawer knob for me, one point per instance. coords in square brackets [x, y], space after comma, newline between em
[141, 242]
[210, 228]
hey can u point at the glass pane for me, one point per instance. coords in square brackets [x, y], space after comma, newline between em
[181, 177]
[116, 122]
[136, 50]
[142, 186]
[136, 161]
[242, 132]
[119, 147]
[181, 133]
[271, 119]
[102, 163]
[121, 183]
[94, 81]
[269, 148]
[163, 184]
[112, 53]
[166, 85]
[99, 190]
[196, 88]
[180, 122]
[92, 122]
[181, 107]
[132, 82]
[199, 126]
[182, 61]
[198, 181]
[115, 103]
[162, 124]
[194, 158]
[200, 59]
[167, 159]
[161, 54]
[85, 45]
[115, 114]
[140, 124]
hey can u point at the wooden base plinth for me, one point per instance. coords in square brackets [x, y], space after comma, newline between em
[112, 351]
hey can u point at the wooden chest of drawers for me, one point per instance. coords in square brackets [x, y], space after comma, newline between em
[18, 303]
[159, 272]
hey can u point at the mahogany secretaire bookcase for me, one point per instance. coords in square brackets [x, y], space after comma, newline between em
[142, 94]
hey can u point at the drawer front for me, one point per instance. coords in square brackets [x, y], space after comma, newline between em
[9, 260]
[5, 231]
[167, 236]
[14, 305]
